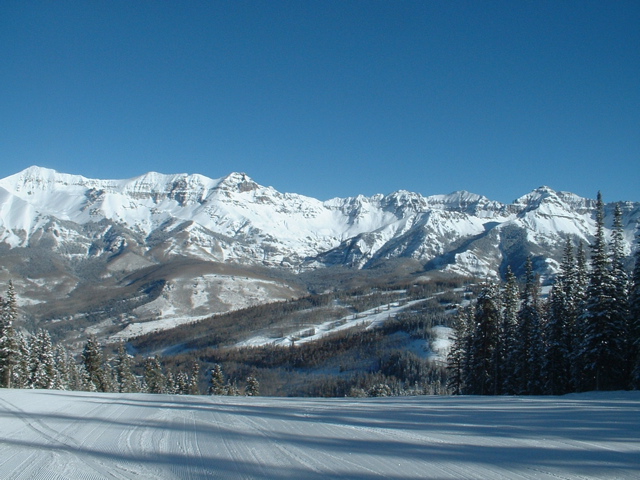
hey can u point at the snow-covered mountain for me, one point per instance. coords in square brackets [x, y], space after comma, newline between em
[195, 242]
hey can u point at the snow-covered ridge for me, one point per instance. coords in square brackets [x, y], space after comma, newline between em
[233, 218]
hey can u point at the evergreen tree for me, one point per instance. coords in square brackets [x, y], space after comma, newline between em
[125, 379]
[620, 314]
[9, 342]
[253, 387]
[93, 361]
[602, 349]
[507, 339]
[62, 370]
[560, 328]
[79, 378]
[456, 360]
[43, 372]
[171, 386]
[217, 381]
[182, 383]
[154, 376]
[634, 316]
[483, 371]
[194, 384]
[22, 370]
[527, 352]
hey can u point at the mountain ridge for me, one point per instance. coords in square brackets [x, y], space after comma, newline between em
[75, 234]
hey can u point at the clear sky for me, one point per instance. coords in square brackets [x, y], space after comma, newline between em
[329, 98]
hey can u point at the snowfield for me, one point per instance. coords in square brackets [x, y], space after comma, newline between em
[69, 435]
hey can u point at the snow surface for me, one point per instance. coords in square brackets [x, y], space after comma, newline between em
[67, 435]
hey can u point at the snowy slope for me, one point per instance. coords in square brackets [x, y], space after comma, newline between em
[64, 435]
[235, 219]
[102, 246]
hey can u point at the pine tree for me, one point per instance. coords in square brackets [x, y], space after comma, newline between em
[483, 370]
[153, 375]
[253, 387]
[79, 378]
[125, 379]
[217, 381]
[171, 387]
[22, 370]
[194, 384]
[507, 339]
[620, 313]
[9, 342]
[43, 373]
[93, 360]
[62, 374]
[527, 352]
[634, 316]
[601, 352]
[456, 360]
[182, 383]
[560, 328]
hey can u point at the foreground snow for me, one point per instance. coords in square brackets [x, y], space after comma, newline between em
[64, 435]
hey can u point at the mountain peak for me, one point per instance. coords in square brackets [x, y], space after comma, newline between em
[238, 181]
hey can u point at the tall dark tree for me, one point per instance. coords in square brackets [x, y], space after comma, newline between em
[527, 352]
[43, 369]
[125, 379]
[602, 349]
[483, 372]
[507, 338]
[154, 376]
[93, 361]
[9, 341]
[620, 314]
[217, 381]
[194, 382]
[458, 354]
[634, 316]
[560, 329]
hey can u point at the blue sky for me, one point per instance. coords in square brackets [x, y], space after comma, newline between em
[329, 98]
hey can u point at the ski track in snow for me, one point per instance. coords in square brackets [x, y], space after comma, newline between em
[70, 435]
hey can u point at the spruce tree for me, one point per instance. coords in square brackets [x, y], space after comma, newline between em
[527, 351]
[456, 360]
[125, 379]
[507, 339]
[253, 387]
[43, 374]
[93, 361]
[154, 377]
[62, 370]
[634, 316]
[9, 341]
[560, 328]
[217, 381]
[483, 371]
[194, 383]
[602, 351]
[22, 370]
[182, 383]
[620, 314]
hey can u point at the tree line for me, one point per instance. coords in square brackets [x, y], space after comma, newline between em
[34, 361]
[584, 336]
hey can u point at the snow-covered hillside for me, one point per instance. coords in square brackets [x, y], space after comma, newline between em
[235, 219]
[173, 248]
[63, 435]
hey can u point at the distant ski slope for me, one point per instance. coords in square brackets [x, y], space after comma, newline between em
[69, 435]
